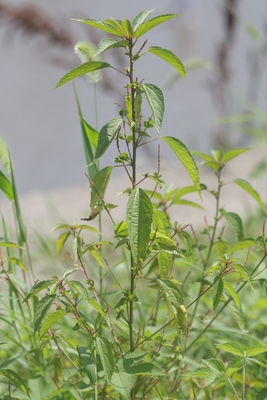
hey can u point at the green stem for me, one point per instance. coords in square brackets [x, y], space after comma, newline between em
[235, 392]
[210, 247]
[244, 379]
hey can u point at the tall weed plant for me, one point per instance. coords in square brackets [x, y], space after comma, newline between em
[167, 316]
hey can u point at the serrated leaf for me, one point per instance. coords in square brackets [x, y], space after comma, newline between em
[106, 136]
[41, 310]
[215, 364]
[123, 383]
[145, 369]
[218, 288]
[80, 289]
[238, 315]
[172, 292]
[232, 154]
[262, 394]
[69, 272]
[57, 367]
[232, 293]
[106, 356]
[140, 18]
[61, 241]
[186, 190]
[255, 350]
[106, 26]
[100, 181]
[243, 244]
[50, 320]
[234, 365]
[83, 69]
[206, 157]
[235, 223]
[249, 189]
[161, 221]
[147, 26]
[6, 186]
[182, 326]
[15, 379]
[98, 308]
[127, 28]
[110, 43]
[17, 261]
[170, 57]
[213, 165]
[232, 347]
[38, 287]
[263, 283]
[186, 158]
[155, 100]
[88, 363]
[139, 218]
[121, 229]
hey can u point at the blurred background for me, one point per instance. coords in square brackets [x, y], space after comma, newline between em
[221, 104]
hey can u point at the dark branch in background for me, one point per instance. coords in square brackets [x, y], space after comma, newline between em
[35, 21]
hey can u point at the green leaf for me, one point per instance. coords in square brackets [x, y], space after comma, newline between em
[70, 271]
[61, 241]
[123, 383]
[17, 261]
[88, 363]
[82, 69]
[206, 157]
[6, 186]
[100, 181]
[186, 158]
[256, 350]
[50, 320]
[161, 221]
[127, 28]
[90, 138]
[147, 26]
[80, 289]
[213, 165]
[262, 394]
[15, 379]
[238, 315]
[106, 136]
[10, 244]
[240, 269]
[38, 287]
[235, 223]
[139, 218]
[4, 156]
[155, 100]
[215, 364]
[249, 189]
[140, 18]
[57, 367]
[121, 229]
[232, 293]
[145, 369]
[41, 310]
[182, 325]
[106, 356]
[110, 43]
[168, 56]
[263, 283]
[98, 308]
[234, 365]
[232, 347]
[106, 26]
[61, 226]
[232, 154]
[243, 244]
[187, 203]
[218, 288]
[186, 190]
[172, 292]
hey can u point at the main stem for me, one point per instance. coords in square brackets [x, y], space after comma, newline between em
[134, 182]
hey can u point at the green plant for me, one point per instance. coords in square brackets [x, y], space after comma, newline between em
[140, 329]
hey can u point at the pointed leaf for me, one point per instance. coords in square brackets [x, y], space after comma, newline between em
[98, 308]
[215, 364]
[145, 369]
[38, 287]
[6, 186]
[232, 293]
[232, 154]
[182, 326]
[106, 26]
[206, 157]
[238, 315]
[88, 363]
[146, 26]
[109, 43]
[57, 367]
[243, 273]
[186, 190]
[172, 292]
[127, 28]
[140, 18]
[106, 356]
[243, 244]
[218, 288]
[256, 350]
[235, 223]
[41, 310]
[17, 261]
[235, 365]
[50, 320]
[232, 347]
[168, 56]
[123, 383]
[249, 189]
[262, 394]
[106, 136]
[61, 241]
[186, 158]
[80, 289]
[100, 181]
[121, 229]
[187, 203]
[164, 259]
[15, 379]
[155, 100]
[10, 244]
[83, 69]
[139, 218]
